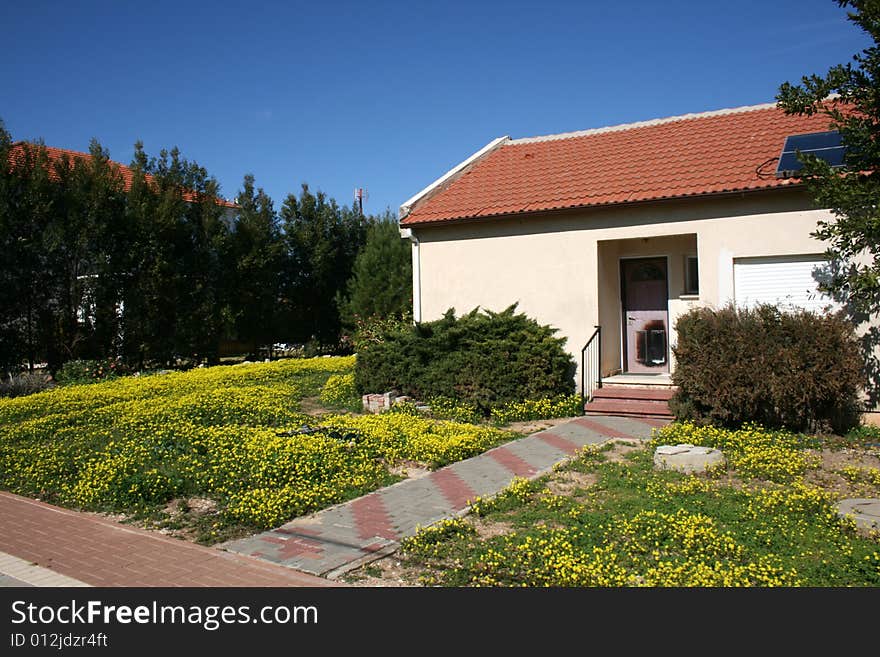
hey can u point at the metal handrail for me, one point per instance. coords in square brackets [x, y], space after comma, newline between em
[594, 344]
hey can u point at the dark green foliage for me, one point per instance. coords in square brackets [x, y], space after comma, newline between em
[162, 272]
[482, 358]
[381, 279]
[853, 195]
[60, 234]
[796, 370]
[258, 254]
[322, 241]
[175, 287]
[22, 216]
[89, 371]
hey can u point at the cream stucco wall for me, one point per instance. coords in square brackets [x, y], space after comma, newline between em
[562, 268]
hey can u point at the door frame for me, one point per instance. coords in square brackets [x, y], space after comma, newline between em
[622, 313]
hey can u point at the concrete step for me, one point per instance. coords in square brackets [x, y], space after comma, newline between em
[635, 415]
[617, 392]
[630, 401]
[628, 407]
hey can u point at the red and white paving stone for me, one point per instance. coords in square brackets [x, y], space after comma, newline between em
[342, 537]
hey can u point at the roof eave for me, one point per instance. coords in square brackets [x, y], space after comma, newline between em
[406, 206]
[794, 184]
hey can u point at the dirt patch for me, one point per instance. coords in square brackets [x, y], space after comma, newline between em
[387, 572]
[830, 475]
[197, 506]
[620, 448]
[490, 529]
[568, 481]
[534, 426]
[409, 470]
[312, 406]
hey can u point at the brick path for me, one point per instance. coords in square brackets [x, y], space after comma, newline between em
[48, 546]
[342, 537]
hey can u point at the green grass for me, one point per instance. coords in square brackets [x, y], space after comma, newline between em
[229, 434]
[622, 523]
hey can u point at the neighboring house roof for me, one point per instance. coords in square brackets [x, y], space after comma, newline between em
[55, 154]
[716, 152]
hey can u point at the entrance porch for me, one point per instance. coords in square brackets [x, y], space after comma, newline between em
[644, 284]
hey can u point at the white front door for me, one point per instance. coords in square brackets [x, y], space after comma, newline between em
[645, 299]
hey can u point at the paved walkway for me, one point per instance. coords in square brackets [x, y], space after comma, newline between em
[348, 535]
[44, 545]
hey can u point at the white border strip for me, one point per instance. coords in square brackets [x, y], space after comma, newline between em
[406, 206]
[32, 574]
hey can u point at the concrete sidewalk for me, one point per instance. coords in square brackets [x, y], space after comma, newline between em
[343, 537]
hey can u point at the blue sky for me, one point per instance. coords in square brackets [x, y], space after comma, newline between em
[386, 95]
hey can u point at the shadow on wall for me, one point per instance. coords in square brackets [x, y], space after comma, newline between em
[870, 346]
[868, 333]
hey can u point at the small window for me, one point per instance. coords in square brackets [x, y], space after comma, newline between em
[691, 275]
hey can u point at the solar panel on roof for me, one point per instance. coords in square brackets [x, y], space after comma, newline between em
[824, 145]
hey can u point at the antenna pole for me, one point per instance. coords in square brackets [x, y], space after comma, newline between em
[359, 194]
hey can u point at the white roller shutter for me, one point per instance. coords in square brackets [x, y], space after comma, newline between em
[783, 280]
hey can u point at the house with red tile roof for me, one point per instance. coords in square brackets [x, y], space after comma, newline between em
[623, 229]
[17, 154]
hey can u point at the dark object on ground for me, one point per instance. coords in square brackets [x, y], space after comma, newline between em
[344, 435]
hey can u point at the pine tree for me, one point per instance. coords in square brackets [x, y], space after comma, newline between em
[322, 241]
[257, 254]
[27, 198]
[381, 280]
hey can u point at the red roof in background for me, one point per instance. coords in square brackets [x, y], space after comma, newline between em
[127, 174]
[692, 155]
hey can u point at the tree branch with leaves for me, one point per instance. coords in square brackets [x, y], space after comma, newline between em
[849, 94]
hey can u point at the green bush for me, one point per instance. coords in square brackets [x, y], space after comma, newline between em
[796, 370]
[483, 359]
[88, 371]
[865, 432]
[372, 329]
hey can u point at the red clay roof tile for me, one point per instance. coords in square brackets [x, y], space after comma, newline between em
[127, 174]
[693, 155]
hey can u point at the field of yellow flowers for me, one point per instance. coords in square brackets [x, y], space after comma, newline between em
[228, 434]
[608, 518]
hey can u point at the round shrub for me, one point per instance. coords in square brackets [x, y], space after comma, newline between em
[89, 371]
[782, 369]
[482, 358]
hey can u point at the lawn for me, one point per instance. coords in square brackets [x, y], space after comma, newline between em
[214, 453]
[608, 518]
